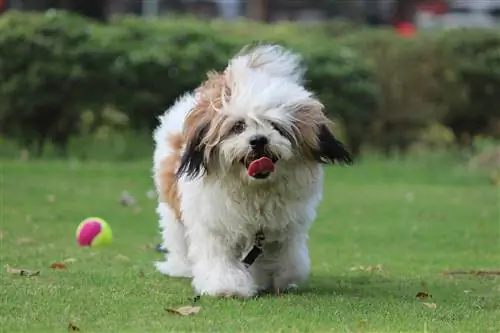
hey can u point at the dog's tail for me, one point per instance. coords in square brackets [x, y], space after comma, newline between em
[271, 58]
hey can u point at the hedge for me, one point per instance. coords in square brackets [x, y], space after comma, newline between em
[383, 90]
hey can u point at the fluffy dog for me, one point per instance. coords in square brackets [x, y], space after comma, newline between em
[243, 153]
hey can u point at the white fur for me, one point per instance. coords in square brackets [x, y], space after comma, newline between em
[222, 212]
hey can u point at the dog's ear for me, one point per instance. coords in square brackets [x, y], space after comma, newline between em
[329, 149]
[193, 161]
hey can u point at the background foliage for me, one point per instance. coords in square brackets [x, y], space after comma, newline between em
[69, 80]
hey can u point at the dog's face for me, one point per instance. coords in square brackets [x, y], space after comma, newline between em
[254, 146]
[253, 125]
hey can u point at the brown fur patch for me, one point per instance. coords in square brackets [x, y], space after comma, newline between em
[308, 121]
[211, 96]
[169, 192]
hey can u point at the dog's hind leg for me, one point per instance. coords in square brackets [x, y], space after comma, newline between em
[174, 241]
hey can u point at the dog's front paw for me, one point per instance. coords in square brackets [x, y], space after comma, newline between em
[229, 283]
[174, 267]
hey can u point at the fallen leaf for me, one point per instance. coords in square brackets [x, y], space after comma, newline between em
[72, 327]
[126, 199]
[24, 155]
[21, 272]
[423, 295]
[361, 325]
[69, 260]
[147, 247]
[430, 305]
[24, 240]
[474, 272]
[184, 310]
[58, 265]
[122, 257]
[51, 198]
[370, 268]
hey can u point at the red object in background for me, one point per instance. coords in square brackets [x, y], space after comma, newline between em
[2, 6]
[405, 29]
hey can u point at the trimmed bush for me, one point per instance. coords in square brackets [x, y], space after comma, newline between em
[415, 87]
[474, 56]
[385, 91]
[51, 67]
[163, 59]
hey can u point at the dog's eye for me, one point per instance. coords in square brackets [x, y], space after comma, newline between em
[279, 129]
[283, 132]
[238, 127]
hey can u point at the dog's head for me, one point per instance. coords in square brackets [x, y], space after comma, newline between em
[256, 117]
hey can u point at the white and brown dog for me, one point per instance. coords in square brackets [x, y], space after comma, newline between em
[239, 155]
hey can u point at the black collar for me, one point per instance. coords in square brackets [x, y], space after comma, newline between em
[256, 250]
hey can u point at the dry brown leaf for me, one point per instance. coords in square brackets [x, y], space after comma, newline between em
[24, 155]
[361, 325]
[184, 310]
[492, 272]
[122, 257]
[69, 260]
[430, 305]
[24, 240]
[21, 272]
[147, 247]
[58, 265]
[72, 327]
[423, 295]
[370, 268]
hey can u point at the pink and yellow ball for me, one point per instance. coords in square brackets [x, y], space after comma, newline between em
[93, 231]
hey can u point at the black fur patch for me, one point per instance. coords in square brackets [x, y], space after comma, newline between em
[283, 132]
[193, 162]
[330, 149]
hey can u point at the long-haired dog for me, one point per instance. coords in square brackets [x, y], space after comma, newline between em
[243, 153]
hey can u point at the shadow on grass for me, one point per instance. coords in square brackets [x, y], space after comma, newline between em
[369, 286]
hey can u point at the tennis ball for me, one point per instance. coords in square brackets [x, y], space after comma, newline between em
[93, 231]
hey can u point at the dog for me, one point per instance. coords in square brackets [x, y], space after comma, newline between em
[243, 153]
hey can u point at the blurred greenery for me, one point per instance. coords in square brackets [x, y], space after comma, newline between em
[69, 81]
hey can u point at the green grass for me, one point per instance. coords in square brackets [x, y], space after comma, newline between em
[416, 218]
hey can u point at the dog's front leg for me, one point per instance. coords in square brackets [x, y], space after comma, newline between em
[292, 262]
[216, 269]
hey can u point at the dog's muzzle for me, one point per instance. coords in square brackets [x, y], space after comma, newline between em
[260, 163]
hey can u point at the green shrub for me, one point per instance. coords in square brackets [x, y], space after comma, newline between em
[385, 91]
[51, 67]
[474, 56]
[415, 87]
[163, 59]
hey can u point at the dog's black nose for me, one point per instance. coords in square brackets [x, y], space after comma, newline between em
[258, 141]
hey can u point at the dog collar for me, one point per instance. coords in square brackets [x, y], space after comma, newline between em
[256, 250]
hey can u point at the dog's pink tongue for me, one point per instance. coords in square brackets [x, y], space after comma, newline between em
[262, 165]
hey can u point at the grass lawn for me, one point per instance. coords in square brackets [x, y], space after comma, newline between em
[415, 218]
